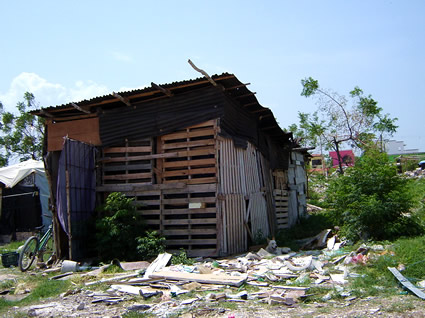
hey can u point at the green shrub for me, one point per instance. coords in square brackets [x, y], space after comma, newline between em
[117, 230]
[182, 258]
[371, 201]
[150, 245]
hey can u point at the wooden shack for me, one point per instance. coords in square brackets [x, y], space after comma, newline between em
[209, 167]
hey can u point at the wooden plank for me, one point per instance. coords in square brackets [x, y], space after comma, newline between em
[142, 157]
[175, 173]
[148, 212]
[127, 167]
[198, 188]
[190, 221]
[202, 278]
[188, 211]
[139, 187]
[406, 283]
[191, 163]
[197, 180]
[129, 176]
[189, 200]
[210, 122]
[191, 242]
[197, 143]
[189, 134]
[189, 232]
[159, 263]
[127, 149]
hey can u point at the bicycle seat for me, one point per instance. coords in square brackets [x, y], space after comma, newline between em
[39, 228]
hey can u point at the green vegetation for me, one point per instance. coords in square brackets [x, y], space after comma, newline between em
[372, 202]
[150, 245]
[22, 133]
[182, 258]
[117, 230]
[121, 233]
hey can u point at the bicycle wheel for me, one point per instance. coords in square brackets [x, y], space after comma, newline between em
[28, 253]
[46, 253]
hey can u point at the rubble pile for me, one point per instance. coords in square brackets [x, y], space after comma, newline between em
[284, 278]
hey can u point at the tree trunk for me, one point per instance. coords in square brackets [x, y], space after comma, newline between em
[341, 171]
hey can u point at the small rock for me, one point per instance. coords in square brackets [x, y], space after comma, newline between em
[81, 306]
[32, 313]
[139, 307]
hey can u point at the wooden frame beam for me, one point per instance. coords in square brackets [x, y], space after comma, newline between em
[123, 99]
[46, 113]
[246, 95]
[202, 72]
[166, 91]
[250, 104]
[237, 86]
[80, 109]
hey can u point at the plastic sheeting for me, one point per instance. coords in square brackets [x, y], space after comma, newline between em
[76, 193]
[10, 176]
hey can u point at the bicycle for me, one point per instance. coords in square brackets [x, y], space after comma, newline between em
[36, 246]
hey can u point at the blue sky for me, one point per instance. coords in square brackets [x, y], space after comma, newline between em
[69, 51]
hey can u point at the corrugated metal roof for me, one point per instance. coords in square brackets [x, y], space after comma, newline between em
[232, 87]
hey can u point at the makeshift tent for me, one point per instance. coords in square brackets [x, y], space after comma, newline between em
[24, 188]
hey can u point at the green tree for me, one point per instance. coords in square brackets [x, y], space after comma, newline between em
[339, 121]
[22, 133]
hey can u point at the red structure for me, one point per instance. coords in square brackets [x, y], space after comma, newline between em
[347, 157]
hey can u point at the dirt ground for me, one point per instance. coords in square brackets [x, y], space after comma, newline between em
[81, 304]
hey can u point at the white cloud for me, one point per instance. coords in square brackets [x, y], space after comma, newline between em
[47, 93]
[122, 57]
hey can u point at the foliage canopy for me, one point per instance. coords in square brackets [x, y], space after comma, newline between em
[22, 133]
[357, 121]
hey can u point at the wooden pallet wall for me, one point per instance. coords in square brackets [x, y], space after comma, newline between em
[129, 163]
[281, 198]
[192, 155]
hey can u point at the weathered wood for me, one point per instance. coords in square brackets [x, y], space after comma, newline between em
[129, 176]
[127, 149]
[202, 278]
[189, 211]
[127, 167]
[190, 172]
[191, 242]
[406, 283]
[191, 163]
[122, 99]
[138, 158]
[139, 187]
[190, 232]
[202, 72]
[189, 134]
[191, 144]
[159, 263]
[189, 221]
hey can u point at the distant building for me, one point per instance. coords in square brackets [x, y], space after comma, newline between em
[396, 147]
[347, 157]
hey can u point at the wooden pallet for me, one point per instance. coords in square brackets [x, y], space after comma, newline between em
[192, 155]
[128, 163]
[281, 198]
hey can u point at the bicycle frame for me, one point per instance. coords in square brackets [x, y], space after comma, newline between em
[44, 238]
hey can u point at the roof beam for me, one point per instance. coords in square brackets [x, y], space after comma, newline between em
[122, 99]
[166, 91]
[202, 72]
[46, 113]
[237, 86]
[250, 104]
[246, 95]
[80, 109]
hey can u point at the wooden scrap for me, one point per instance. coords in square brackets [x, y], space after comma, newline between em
[202, 278]
[159, 263]
[132, 266]
[127, 289]
[58, 277]
[291, 287]
[189, 301]
[112, 279]
[406, 283]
